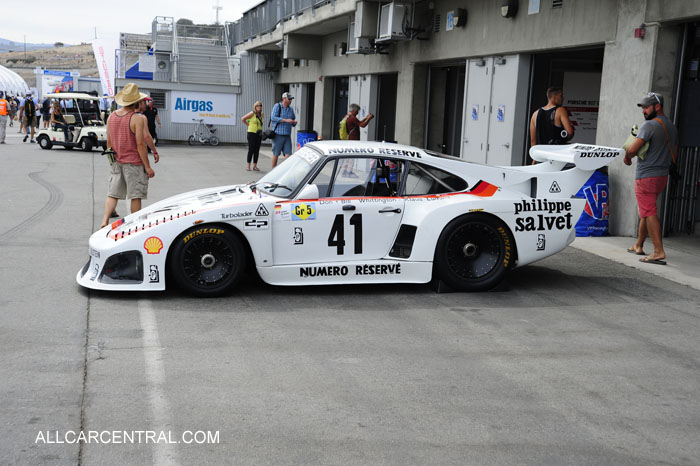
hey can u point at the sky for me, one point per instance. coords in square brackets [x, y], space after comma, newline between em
[77, 21]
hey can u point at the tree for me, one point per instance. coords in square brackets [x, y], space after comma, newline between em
[58, 44]
[185, 22]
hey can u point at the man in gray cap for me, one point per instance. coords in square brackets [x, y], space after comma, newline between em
[652, 172]
[283, 119]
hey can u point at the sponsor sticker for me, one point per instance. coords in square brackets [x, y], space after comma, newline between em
[554, 188]
[256, 224]
[153, 245]
[304, 211]
[261, 211]
[203, 231]
[153, 274]
[94, 253]
[95, 269]
[298, 235]
[541, 242]
[234, 215]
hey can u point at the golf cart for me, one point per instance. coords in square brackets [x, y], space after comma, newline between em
[85, 127]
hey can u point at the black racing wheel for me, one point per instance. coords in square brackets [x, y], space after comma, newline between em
[474, 252]
[207, 260]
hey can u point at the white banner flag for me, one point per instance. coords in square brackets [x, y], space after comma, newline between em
[104, 55]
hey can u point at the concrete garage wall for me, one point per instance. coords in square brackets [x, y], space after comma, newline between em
[632, 67]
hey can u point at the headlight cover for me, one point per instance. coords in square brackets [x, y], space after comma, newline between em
[123, 268]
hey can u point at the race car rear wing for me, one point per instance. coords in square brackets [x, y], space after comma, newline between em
[584, 156]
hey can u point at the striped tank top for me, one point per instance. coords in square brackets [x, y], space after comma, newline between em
[123, 139]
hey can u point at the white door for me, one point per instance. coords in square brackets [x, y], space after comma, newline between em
[344, 224]
[504, 90]
[476, 110]
[298, 91]
[363, 90]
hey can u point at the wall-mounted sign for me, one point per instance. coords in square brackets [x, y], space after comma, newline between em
[534, 7]
[213, 108]
[58, 81]
[450, 22]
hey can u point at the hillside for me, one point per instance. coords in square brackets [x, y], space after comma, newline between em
[74, 57]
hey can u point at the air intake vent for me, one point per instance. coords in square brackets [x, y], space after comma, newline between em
[557, 3]
[436, 23]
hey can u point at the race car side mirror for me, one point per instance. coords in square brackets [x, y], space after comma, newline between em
[310, 191]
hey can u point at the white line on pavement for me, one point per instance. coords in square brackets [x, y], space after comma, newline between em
[164, 454]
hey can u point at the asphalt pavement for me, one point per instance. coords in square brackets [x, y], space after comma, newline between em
[587, 357]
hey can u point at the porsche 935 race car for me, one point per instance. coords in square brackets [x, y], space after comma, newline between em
[353, 212]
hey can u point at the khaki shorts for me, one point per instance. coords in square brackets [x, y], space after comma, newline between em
[127, 181]
[31, 122]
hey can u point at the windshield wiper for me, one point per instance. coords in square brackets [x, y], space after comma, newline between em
[273, 186]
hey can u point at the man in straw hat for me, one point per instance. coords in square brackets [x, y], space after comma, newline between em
[130, 172]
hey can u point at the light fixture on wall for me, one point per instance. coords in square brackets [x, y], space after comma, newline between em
[640, 32]
[499, 61]
[480, 62]
[460, 18]
[509, 8]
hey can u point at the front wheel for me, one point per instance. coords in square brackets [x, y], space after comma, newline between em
[474, 252]
[86, 144]
[207, 261]
[191, 140]
[44, 142]
[213, 141]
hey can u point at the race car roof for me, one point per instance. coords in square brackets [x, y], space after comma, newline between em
[72, 95]
[329, 148]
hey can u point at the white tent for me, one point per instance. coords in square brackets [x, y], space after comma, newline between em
[11, 82]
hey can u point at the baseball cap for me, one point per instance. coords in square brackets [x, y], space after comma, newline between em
[652, 98]
[147, 99]
[287, 95]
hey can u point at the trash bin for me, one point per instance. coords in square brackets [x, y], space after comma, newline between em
[594, 219]
[305, 136]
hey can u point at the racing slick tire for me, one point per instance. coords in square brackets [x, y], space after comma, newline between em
[474, 252]
[213, 141]
[191, 140]
[86, 144]
[44, 142]
[207, 260]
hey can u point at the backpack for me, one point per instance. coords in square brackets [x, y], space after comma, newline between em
[29, 108]
[343, 128]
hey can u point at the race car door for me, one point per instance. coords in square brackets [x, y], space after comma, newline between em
[356, 217]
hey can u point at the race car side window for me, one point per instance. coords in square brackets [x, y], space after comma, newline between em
[352, 176]
[423, 180]
[323, 178]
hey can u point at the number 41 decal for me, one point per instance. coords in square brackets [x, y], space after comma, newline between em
[337, 236]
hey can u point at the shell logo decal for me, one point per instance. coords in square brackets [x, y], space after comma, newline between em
[153, 245]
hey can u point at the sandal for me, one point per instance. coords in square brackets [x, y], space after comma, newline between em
[247, 169]
[256, 169]
[634, 251]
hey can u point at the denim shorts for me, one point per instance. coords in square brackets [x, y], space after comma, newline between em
[282, 145]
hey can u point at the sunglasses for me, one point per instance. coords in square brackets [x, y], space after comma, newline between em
[654, 95]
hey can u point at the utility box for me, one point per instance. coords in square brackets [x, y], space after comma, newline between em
[366, 15]
[357, 44]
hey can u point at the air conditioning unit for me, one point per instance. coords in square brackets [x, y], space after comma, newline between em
[266, 62]
[394, 22]
[163, 65]
[357, 44]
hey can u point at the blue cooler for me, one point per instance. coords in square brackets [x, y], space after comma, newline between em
[305, 136]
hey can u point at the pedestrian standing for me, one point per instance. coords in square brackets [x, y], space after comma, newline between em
[254, 121]
[4, 105]
[550, 124]
[283, 119]
[46, 111]
[651, 174]
[130, 171]
[353, 124]
[29, 112]
[152, 117]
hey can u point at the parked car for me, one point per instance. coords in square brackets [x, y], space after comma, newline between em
[340, 212]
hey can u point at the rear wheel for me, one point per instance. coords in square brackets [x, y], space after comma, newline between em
[474, 252]
[86, 144]
[44, 142]
[214, 141]
[191, 140]
[207, 261]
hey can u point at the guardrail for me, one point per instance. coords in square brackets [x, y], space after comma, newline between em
[265, 17]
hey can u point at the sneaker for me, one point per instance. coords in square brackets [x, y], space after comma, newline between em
[32, 141]
[114, 214]
[25, 139]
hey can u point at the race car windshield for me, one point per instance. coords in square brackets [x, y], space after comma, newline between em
[285, 178]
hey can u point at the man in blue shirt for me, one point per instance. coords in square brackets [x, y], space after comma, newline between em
[283, 119]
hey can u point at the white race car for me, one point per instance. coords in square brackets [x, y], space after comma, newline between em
[353, 212]
[86, 129]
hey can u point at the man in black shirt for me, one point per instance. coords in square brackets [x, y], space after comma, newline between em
[550, 124]
[152, 117]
